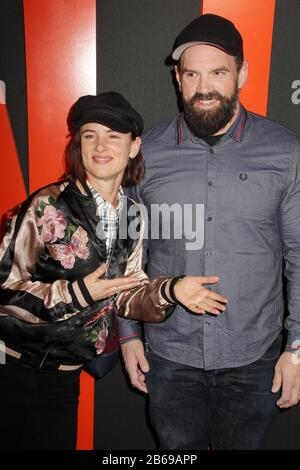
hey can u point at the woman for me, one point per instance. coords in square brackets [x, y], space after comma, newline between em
[62, 267]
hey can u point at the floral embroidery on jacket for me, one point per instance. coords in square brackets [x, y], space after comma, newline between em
[98, 336]
[52, 226]
[100, 339]
[51, 223]
[66, 253]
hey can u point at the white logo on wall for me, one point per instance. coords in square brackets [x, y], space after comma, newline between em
[295, 98]
[2, 92]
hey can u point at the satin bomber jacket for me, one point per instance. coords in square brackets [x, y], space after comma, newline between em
[46, 310]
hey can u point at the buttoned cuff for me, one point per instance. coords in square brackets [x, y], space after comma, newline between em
[293, 343]
[129, 330]
[127, 339]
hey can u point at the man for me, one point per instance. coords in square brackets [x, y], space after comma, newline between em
[218, 381]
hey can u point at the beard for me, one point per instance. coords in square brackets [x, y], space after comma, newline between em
[205, 123]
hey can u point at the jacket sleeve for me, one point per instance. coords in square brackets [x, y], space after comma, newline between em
[143, 303]
[20, 296]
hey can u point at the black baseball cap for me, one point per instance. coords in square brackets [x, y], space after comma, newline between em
[110, 109]
[213, 30]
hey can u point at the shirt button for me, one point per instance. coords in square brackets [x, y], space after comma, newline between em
[211, 150]
[210, 183]
[209, 253]
[207, 322]
[209, 219]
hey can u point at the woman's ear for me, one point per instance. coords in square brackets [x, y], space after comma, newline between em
[135, 147]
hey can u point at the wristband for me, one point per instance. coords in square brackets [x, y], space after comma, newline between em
[85, 292]
[164, 293]
[172, 286]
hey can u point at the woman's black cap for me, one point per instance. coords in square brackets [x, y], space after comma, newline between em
[110, 109]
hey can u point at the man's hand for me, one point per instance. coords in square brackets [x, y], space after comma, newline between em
[136, 363]
[287, 377]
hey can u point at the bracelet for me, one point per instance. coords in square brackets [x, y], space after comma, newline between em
[172, 286]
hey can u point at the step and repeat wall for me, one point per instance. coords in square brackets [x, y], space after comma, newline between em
[54, 51]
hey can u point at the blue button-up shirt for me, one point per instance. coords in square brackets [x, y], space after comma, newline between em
[249, 187]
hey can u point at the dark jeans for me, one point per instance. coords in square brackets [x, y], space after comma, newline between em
[38, 409]
[228, 409]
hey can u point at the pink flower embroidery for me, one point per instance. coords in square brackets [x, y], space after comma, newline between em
[100, 343]
[53, 224]
[66, 253]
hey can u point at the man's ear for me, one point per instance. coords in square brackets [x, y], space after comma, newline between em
[177, 75]
[243, 75]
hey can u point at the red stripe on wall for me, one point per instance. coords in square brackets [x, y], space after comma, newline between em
[60, 39]
[254, 19]
[12, 185]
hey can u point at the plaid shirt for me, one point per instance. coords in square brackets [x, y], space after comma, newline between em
[109, 217]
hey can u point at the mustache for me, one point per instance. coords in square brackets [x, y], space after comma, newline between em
[213, 95]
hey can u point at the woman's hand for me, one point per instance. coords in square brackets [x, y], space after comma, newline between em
[191, 292]
[102, 288]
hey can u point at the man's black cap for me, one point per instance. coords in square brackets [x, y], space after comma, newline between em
[213, 30]
[110, 109]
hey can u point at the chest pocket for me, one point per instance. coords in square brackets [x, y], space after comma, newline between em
[256, 195]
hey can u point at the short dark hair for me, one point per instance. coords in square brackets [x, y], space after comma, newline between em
[75, 170]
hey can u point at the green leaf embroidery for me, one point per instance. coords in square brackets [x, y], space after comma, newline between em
[52, 201]
[94, 335]
[70, 229]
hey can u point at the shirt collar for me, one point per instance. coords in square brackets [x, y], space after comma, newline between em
[101, 201]
[236, 131]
